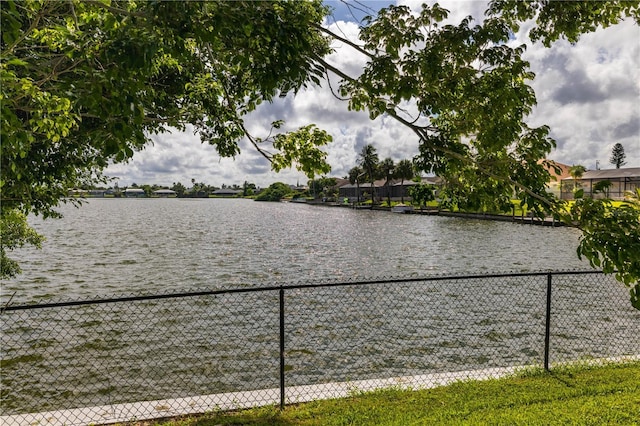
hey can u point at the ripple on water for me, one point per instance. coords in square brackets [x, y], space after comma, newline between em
[123, 244]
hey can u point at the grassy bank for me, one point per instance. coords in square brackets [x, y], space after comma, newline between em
[576, 396]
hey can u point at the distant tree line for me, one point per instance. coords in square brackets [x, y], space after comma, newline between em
[196, 190]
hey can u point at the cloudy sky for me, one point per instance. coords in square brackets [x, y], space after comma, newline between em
[588, 93]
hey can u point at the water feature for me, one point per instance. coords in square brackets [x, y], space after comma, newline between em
[116, 246]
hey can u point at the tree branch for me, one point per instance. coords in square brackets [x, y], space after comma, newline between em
[331, 88]
[73, 12]
[422, 132]
[24, 34]
[262, 152]
[115, 10]
[344, 40]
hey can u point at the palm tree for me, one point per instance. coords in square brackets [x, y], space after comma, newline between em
[368, 160]
[633, 197]
[404, 171]
[387, 167]
[576, 173]
[354, 177]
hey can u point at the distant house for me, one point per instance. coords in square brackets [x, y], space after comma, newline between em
[334, 190]
[298, 188]
[97, 193]
[397, 188]
[77, 193]
[558, 171]
[350, 190]
[400, 189]
[621, 180]
[86, 193]
[134, 192]
[165, 193]
[226, 192]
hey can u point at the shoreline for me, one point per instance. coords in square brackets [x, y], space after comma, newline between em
[524, 220]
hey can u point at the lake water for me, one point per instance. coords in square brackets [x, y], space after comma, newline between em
[144, 350]
[117, 246]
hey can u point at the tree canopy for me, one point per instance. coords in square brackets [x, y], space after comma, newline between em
[275, 192]
[86, 83]
[471, 96]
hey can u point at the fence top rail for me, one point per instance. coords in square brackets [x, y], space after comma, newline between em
[287, 286]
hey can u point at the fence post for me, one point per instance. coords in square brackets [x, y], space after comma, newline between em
[547, 330]
[282, 364]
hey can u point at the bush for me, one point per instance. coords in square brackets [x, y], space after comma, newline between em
[275, 192]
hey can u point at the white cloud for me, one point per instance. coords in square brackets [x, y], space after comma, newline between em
[458, 9]
[588, 93]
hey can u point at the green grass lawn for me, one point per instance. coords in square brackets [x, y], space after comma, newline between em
[607, 395]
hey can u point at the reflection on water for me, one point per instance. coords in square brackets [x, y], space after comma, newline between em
[116, 246]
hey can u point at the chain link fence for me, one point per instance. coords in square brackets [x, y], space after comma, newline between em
[144, 357]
